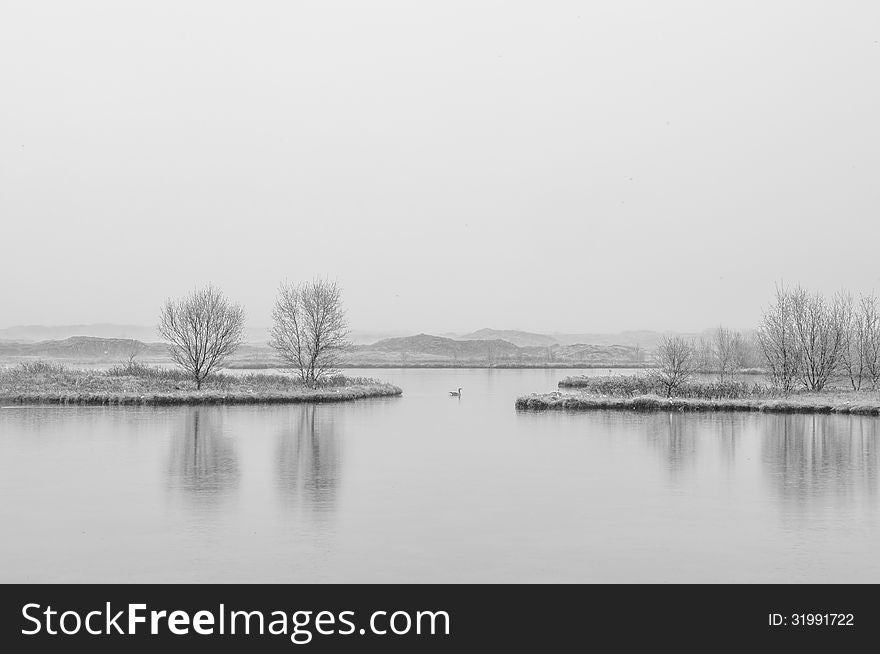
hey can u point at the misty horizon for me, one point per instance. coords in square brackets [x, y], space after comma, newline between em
[252, 333]
[587, 328]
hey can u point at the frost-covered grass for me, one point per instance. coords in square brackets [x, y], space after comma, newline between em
[135, 383]
[633, 385]
[862, 403]
[645, 393]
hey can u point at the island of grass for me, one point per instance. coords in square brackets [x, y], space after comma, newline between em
[642, 393]
[136, 384]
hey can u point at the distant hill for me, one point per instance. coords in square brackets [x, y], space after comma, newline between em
[515, 336]
[598, 355]
[85, 348]
[645, 339]
[447, 347]
[419, 350]
[424, 349]
[517, 348]
[361, 337]
[36, 333]
[144, 333]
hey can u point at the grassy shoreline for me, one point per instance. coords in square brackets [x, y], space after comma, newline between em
[44, 383]
[814, 403]
[455, 366]
[203, 397]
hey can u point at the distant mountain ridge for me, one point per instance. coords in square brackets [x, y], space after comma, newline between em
[145, 333]
[428, 344]
[36, 333]
[484, 347]
[515, 336]
[85, 348]
[644, 338]
[426, 348]
[418, 350]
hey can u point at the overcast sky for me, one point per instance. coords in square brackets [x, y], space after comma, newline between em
[571, 166]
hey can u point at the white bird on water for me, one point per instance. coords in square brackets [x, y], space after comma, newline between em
[455, 393]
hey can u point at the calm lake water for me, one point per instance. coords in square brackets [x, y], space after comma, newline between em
[428, 488]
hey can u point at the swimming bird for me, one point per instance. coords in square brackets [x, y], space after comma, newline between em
[455, 393]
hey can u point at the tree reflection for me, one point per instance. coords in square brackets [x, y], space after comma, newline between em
[682, 438]
[729, 427]
[308, 458]
[674, 435]
[203, 463]
[819, 460]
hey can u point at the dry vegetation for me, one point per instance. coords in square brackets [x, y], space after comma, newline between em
[650, 384]
[849, 402]
[648, 393]
[135, 383]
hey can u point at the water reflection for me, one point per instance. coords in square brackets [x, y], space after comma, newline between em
[817, 462]
[203, 462]
[434, 490]
[308, 459]
[675, 436]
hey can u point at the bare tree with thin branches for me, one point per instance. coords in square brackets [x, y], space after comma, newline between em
[133, 351]
[705, 355]
[820, 329]
[748, 348]
[677, 361]
[202, 329]
[871, 316]
[778, 341]
[310, 331]
[861, 351]
[728, 349]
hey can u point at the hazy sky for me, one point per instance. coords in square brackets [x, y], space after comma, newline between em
[572, 166]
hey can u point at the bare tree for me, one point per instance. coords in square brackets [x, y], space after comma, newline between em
[861, 351]
[310, 331]
[202, 330]
[742, 351]
[677, 361]
[778, 341]
[705, 356]
[851, 359]
[820, 329]
[748, 350]
[728, 352]
[133, 351]
[871, 316]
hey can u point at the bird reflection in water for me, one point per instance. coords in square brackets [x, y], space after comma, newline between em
[203, 464]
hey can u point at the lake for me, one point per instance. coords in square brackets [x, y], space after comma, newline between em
[429, 488]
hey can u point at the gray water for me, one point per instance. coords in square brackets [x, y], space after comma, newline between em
[428, 488]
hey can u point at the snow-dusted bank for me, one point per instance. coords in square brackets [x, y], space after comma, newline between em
[43, 383]
[857, 403]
